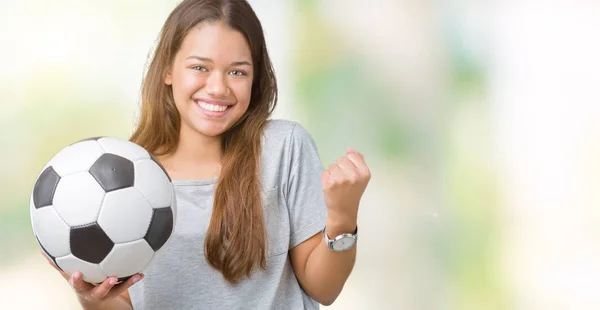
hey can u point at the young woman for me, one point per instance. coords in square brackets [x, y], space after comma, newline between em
[260, 223]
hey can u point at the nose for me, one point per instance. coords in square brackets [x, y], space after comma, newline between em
[216, 85]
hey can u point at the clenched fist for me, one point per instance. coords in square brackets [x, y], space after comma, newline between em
[343, 186]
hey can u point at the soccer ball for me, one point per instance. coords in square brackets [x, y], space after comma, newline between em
[103, 206]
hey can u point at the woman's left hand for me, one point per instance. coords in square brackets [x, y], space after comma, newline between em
[343, 185]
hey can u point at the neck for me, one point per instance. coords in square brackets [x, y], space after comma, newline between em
[197, 148]
[197, 156]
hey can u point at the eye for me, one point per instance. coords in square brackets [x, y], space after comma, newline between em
[237, 73]
[200, 68]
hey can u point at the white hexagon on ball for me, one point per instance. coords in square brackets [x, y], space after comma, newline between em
[153, 183]
[125, 215]
[31, 216]
[92, 273]
[123, 148]
[77, 157]
[127, 259]
[78, 199]
[51, 231]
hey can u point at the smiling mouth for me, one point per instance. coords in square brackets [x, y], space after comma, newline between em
[212, 107]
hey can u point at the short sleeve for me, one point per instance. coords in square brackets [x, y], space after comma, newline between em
[305, 200]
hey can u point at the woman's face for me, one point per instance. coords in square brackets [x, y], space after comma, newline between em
[211, 77]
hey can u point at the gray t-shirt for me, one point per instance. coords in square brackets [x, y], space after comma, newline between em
[294, 208]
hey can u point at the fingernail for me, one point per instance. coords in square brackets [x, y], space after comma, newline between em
[112, 281]
[136, 278]
[76, 276]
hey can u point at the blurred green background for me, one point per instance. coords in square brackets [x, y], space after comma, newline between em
[479, 120]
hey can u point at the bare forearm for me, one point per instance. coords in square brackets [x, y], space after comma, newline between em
[323, 272]
[327, 271]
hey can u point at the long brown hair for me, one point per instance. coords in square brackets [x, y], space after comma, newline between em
[236, 239]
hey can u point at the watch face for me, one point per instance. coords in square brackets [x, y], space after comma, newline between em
[343, 244]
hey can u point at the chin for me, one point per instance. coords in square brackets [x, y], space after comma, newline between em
[213, 130]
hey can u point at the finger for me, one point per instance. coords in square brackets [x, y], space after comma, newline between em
[326, 176]
[48, 258]
[352, 151]
[335, 173]
[359, 162]
[101, 290]
[347, 166]
[79, 286]
[351, 172]
[51, 262]
[120, 288]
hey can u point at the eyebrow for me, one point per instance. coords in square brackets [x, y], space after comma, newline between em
[235, 63]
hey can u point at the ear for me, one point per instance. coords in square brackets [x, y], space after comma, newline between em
[168, 77]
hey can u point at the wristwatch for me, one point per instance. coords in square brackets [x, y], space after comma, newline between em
[341, 243]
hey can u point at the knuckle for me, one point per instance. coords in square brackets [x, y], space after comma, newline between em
[79, 291]
[93, 295]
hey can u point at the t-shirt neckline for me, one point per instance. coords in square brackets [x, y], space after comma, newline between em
[195, 182]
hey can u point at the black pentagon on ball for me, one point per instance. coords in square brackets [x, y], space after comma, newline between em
[113, 172]
[161, 166]
[90, 243]
[44, 188]
[161, 226]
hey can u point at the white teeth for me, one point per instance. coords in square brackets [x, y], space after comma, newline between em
[212, 107]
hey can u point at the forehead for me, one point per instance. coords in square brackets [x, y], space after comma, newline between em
[216, 41]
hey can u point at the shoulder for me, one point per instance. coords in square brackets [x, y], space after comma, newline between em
[286, 144]
[281, 131]
[280, 127]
